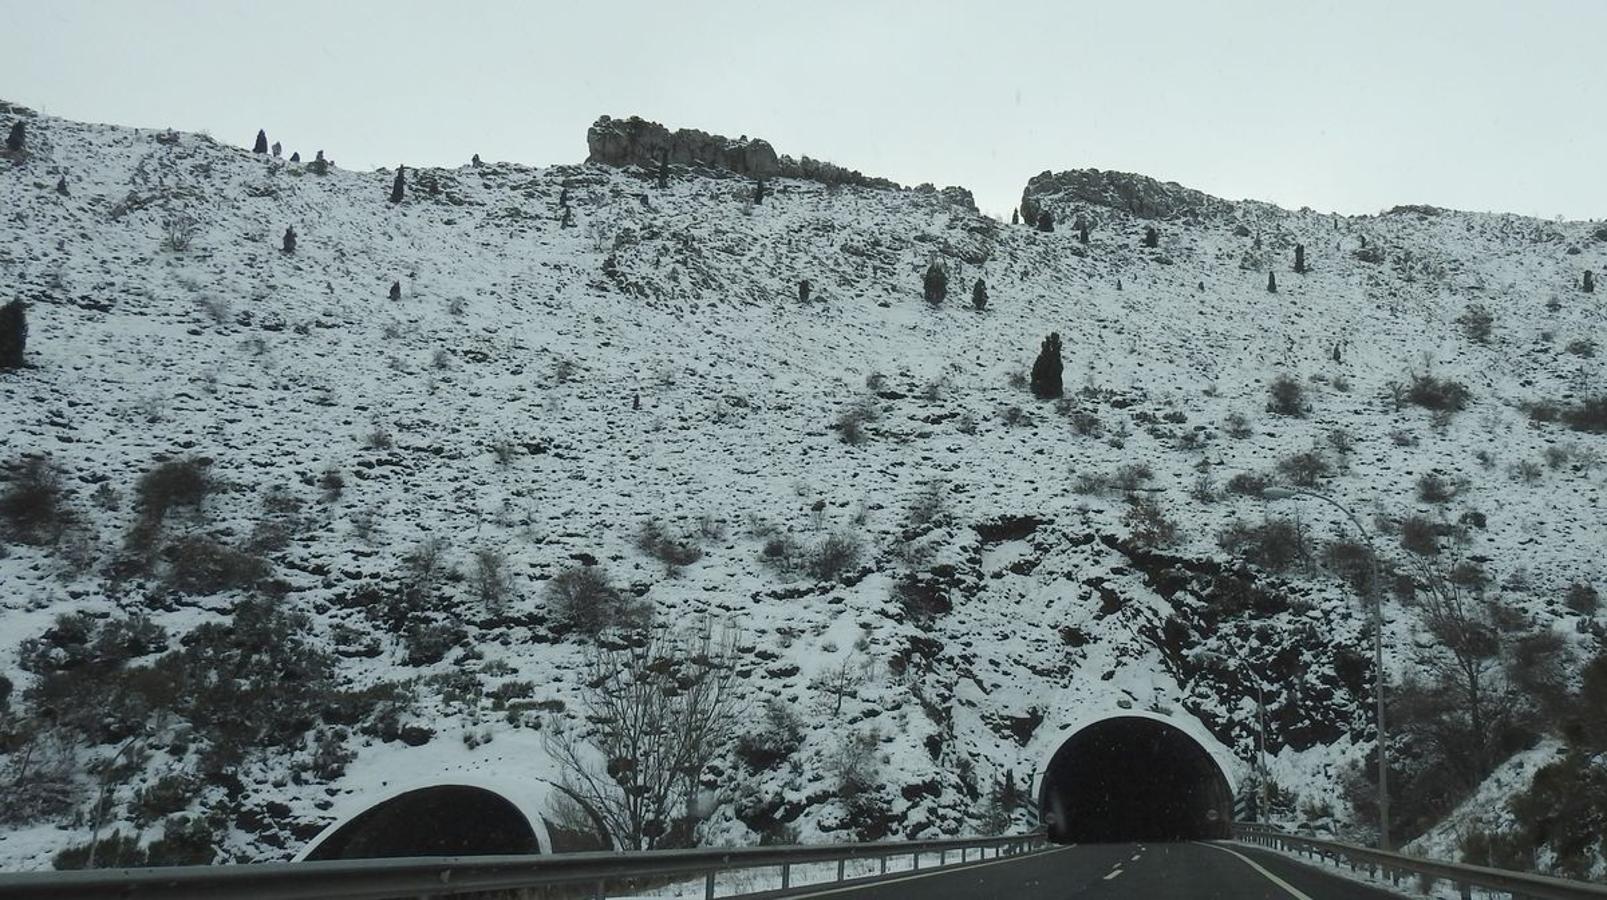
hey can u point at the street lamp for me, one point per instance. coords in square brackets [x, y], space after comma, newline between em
[1277, 493]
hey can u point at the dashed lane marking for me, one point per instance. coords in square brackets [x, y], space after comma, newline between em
[1293, 891]
[964, 867]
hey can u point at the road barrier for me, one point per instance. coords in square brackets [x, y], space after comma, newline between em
[1425, 872]
[585, 874]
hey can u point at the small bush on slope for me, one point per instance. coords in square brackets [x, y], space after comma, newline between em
[1286, 396]
[583, 598]
[1274, 544]
[31, 506]
[1440, 395]
[180, 482]
[834, 555]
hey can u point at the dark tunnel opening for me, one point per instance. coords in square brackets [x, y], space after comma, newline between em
[450, 820]
[1133, 779]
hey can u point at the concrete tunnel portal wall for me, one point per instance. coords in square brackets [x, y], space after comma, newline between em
[1133, 778]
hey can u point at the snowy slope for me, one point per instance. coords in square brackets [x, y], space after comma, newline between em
[518, 335]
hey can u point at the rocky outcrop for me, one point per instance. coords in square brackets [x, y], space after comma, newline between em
[638, 142]
[1136, 195]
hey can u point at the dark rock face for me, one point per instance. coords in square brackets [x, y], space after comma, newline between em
[636, 141]
[1136, 195]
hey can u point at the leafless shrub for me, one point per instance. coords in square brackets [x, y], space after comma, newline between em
[658, 713]
[1147, 523]
[214, 307]
[178, 231]
[490, 576]
[1236, 425]
[1304, 469]
[853, 418]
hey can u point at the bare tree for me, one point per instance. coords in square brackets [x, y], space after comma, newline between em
[1497, 681]
[658, 711]
[840, 681]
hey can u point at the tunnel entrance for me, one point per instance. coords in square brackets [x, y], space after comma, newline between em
[450, 820]
[1131, 778]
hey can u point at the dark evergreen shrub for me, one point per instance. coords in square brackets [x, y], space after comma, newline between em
[1589, 284]
[31, 505]
[1440, 395]
[185, 841]
[935, 287]
[290, 240]
[18, 138]
[1582, 598]
[1300, 258]
[1272, 282]
[1286, 396]
[1046, 221]
[1047, 369]
[200, 565]
[112, 851]
[1477, 323]
[1082, 233]
[396, 290]
[1152, 238]
[179, 482]
[262, 142]
[1589, 414]
[399, 185]
[253, 682]
[1433, 488]
[803, 290]
[13, 334]
[979, 295]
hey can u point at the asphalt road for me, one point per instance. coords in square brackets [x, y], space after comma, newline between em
[1191, 871]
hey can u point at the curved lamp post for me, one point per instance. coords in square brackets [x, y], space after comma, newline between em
[1277, 493]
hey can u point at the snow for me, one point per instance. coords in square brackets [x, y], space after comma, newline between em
[687, 297]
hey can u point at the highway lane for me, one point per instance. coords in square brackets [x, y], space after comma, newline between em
[1184, 871]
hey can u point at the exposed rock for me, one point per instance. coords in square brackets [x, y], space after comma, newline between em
[1137, 195]
[638, 142]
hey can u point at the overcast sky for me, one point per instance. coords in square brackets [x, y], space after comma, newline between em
[1352, 106]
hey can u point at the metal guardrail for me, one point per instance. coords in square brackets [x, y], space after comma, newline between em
[1397, 867]
[421, 877]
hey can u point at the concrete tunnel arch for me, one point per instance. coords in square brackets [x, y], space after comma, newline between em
[445, 817]
[1136, 776]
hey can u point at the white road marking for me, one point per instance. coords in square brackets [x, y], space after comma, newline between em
[1134, 858]
[1293, 891]
[943, 871]
[1114, 872]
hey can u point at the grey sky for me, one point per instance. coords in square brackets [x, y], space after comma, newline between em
[1352, 106]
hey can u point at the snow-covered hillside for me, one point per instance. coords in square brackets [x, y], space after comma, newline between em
[548, 381]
